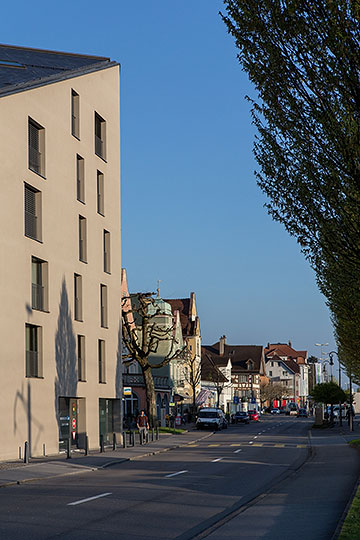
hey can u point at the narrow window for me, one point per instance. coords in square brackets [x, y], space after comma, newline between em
[103, 306]
[32, 212]
[107, 252]
[75, 114]
[82, 239]
[36, 147]
[81, 358]
[100, 136]
[100, 194]
[39, 285]
[270, 373]
[78, 311]
[101, 357]
[33, 351]
[80, 179]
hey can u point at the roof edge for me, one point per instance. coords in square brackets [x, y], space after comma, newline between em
[19, 47]
[37, 83]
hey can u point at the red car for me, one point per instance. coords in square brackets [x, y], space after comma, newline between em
[253, 415]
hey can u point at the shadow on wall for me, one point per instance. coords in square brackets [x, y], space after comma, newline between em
[66, 379]
[25, 399]
[118, 377]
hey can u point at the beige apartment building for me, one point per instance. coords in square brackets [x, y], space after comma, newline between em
[60, 250]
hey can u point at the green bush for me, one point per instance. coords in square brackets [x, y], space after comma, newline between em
[351, 527]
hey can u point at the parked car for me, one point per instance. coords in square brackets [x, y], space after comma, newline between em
[209, 417]
[253, 415]
[275, 411]
[241, 417]
[302, 413]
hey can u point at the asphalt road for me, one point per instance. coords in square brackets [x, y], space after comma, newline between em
[173, 495]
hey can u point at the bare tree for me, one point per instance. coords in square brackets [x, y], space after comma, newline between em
[191, 368]
[270, 391]
[216, 376]
[144, 328]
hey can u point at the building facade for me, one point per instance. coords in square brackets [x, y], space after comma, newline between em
[60, 286]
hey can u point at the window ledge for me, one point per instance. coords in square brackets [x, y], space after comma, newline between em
[39, 174]
[34, 377]
[102, 158]
[32, 238]
[75, 136]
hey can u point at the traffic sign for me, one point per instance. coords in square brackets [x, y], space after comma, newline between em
[236, 400]
[127, 391]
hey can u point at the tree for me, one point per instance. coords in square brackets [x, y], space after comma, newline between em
[270, 391]
[328, 393]
[147, 330]
[213, 374]
[191, 367]
[304, 60]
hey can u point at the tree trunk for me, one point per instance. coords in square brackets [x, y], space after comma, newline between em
[150, 396]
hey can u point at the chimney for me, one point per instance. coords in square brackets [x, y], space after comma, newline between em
[222, 345]
[290, 345]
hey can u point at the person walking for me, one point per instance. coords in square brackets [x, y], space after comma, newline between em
[142, 425]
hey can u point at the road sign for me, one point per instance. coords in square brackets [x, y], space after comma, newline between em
[127, 391]
[253, 400]
[172, 404]
[236, 400]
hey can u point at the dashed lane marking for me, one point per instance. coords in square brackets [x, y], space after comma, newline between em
[212, 445]
[81, 501]
[175, 474]
[237, 451]
[217, 459]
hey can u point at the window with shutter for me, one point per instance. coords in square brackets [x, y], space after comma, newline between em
[75, 114]
[100, 194]
[81, 358]
[107, 252]
[78, 314]
[36, 147]
[33, 366]
[100, 136]
[101, 359]
[80, 179]
[82, 239]
[103, 306]
[32, 212]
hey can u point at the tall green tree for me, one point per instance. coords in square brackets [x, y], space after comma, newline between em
[303, 57]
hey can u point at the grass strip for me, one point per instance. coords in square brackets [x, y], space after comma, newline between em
[351, 528]
[355, 443]
[171, 430]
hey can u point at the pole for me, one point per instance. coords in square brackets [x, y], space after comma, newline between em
[351, 419]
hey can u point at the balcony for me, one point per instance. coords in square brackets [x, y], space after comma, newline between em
[137, 379]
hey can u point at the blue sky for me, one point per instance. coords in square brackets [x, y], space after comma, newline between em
[193, 215]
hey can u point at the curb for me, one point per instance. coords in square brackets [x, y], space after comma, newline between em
[35, 479]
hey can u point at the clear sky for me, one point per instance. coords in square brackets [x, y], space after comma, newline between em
[193, 215]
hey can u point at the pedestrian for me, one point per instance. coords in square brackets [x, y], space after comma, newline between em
[142, 425]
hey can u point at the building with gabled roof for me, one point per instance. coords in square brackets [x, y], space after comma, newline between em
[60, 286]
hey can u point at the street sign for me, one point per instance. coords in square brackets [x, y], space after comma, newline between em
[253, 400]
[127, 391]
[172, 404]
[236, 400]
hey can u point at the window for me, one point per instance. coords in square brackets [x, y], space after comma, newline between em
[103, 306]
[272, 364]
[270, 373]
[36, 147]
[78, 297]
[80, 179]
[33, 351]
[32, 212]
[100, 136]
[39, 284]
[75, 114]
[107, 252]
[82, 239]
[81, 358]
[101, 357]
[100, 193]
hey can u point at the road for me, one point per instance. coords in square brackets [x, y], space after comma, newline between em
[179, 495]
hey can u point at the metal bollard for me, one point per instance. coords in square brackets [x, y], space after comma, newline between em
[44, 450]
[124, 439]
[19, 452]
[86, 445]
[26, 452]
[157, 433]
[114, 441]
[68, 448]
[152, 434]
[102, 448]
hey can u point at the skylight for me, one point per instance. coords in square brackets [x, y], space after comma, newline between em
[7, 63]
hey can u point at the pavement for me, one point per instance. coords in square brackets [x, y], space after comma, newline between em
[17, 472]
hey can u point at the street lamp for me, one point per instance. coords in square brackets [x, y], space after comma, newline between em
[321, 345]
[331, 354]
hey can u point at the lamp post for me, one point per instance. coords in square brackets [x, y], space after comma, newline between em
[321, 345]
[331, 354]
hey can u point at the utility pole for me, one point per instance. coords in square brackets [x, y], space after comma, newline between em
[351, 418]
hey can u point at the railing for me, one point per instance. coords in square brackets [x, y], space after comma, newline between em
[132, 379]
[99, 147]
[32, 364]
[34, 160]
[37, 296]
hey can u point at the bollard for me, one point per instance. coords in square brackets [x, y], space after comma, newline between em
[152, 434]
[26, 452]
[44, 450]
[102, 449]
[124, 439]
[68, 448]
[114, 441]
[86, 445]
[157, 433]
[140, 438]
[19, 452]
[132, 438]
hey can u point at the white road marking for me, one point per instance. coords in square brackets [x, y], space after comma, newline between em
[250, 442]
[255, 437]
[217, 459]
[175, 474]
[237, 451]
[88, 499]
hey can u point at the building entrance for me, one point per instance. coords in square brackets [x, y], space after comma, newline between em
[109, 419]
[72, 423]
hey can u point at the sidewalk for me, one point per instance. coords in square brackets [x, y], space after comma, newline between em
[12, 473]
